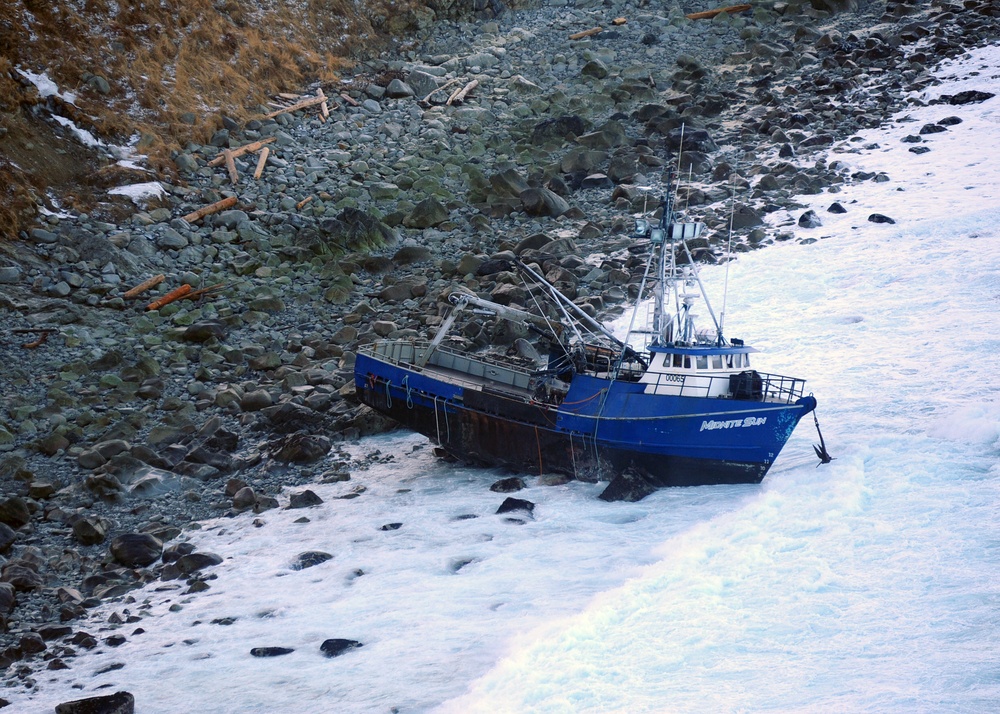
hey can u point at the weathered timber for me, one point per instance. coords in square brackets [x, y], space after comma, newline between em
[349, 99]
[441, 88]
[585, 33]
[709, 14]
[37, 343]
[234, 177]
[303, 203]
[459, 96]
[173, 295]
[304, 104]
[239, 151]
[210, 209]
[144, 286]
[261, 160]
[619, 21]
[324, 108]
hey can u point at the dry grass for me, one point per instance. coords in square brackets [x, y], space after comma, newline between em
[165, 62]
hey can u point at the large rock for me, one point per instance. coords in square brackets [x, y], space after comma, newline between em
[426, 214]
[193, 562]
[90, 530]
[543, 202]
[508, 485]
[310, 558]
[559, 128]
[337, 647]
[136, 550]
[627, 486]
[693, 139]
[301, 448]
[511, 504]
[508, 183]
[7, 537]
[14, 512]
[8, 599]
[304, 499]
[117, 703]
[352, 230]
[270, 651]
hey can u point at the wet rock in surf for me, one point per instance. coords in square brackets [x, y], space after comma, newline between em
[628, 486]
[508, 485]
[336, 647]
[511, 505]
[270, 651]
[809, 219]
[117, 703]
[310, 558]
[304, 499]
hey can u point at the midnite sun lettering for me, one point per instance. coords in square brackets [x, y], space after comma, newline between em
[733, 423]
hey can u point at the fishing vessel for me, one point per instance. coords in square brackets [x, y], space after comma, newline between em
[677, 405]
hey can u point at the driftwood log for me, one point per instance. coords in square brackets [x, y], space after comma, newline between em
[239, 151]
[261, 160]
[210, 209]
[585, 33]
[459, 96]
[234, 177]
[709, 14]
[304, 104]
[144, 286]
[444, 86]
[175, 294]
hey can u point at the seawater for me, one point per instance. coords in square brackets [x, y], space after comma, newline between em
[866, 585]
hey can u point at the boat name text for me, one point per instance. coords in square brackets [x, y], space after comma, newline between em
[732, 423]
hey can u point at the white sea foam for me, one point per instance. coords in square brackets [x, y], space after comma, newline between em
[866, 585]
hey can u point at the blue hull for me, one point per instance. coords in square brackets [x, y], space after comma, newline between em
[601, 428]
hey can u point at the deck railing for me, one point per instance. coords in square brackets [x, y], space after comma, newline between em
[749, 385]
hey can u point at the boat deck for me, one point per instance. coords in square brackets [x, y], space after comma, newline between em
[473, 381]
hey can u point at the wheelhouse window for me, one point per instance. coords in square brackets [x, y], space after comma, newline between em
[717, 362]
[701, 362]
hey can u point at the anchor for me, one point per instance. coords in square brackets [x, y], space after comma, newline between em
[821, 452]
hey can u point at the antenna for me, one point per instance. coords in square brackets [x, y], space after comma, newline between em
[729, 251]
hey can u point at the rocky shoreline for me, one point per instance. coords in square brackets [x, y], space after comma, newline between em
[123, 427]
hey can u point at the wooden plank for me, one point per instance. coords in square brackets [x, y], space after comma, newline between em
[324, 108]
[709, 14]
[175, 294]
[459, 96]
[585, 33]
[304, 104]
[442, 88]
[303, 203]
[619, 21]
[210, 209]
[347, 98]
[234, 177]
[144, 286]
[261, 161]
[239, 151]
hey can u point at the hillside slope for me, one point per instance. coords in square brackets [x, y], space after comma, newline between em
[158, 75]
